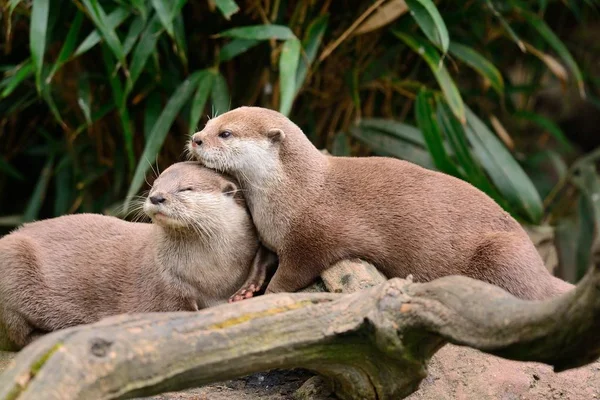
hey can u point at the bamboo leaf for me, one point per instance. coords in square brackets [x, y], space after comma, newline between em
[235, 48]
[480, 64]
[548, 125]
[506, 25]
[37, 197]
[84, 99]
[205, 84]
[160, 131]
[68, 45]
[311, 42]
[21, 72]
[63, 186]
[135, 30]
[431, 133]
[259, 32]
[552, 63]
[153, 107]
[145, 47]
[400, 130]
[390, 146]
[227, 7]
[163, 10]
[100, 19]
[430, 21]
[385, 14]
[433, 60]
[505, 171]
[40, 9]
[340, 146]
[219, 95]
[550, 37]
[114, 20]
[288, 66]
[180, 41]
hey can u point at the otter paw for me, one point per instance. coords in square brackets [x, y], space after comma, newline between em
[244, 293]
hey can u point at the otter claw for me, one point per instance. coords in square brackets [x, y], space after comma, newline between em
[244, 293]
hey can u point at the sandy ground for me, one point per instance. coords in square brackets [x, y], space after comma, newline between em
[455, 373]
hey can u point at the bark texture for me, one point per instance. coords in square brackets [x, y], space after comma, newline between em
[371, 344]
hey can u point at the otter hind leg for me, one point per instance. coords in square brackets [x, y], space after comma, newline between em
[18, 330]
[263, 264]
[509, 260]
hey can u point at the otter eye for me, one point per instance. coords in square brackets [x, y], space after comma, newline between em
[187, 189]
[224, 134]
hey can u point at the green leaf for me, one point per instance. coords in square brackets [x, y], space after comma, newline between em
[204, 89]
[400, 130]
[550, 37]
[135, 30]
[119, 100]
[163, 10]
[153, 107]
[63, 186]
[235, 48]
[160, 130]
[8, 169]
[505, 171]
[548, 125]
[85, 98]
[387, 145]
[310, 44]
[68, 46]
[114, 20]
[259, 32]
[40, 9]
[181, 43]
[227, 7]
[480, 64]
[37, 197]
[427, 123]
[506, 26]
[21, 72]
[433, 60]
[219, 95]
[98, 16]
[145, 47]
[288, 66]
[589, 215]
[430, 21]
[340, 146]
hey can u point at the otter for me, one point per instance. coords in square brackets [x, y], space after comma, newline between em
[200, 250]
[314, 210]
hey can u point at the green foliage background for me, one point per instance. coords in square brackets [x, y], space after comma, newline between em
[96, 93]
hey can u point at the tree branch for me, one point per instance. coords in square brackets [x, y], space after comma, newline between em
[371, 344]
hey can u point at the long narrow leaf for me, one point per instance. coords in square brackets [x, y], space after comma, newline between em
[219, 95]
[400, 130]
[114, 20]
[505, 25]
[163, 11]
[288, 66]
[504, 170]
[22, 72]
[68, 46]
[311, 42]
[236, 47]
[40, 9]
[550, 37]
[480, 64]
[37, 197]
[431, 133]
[204, 89]
[153, 107]
[135, 30]
[433, 60]
[227, 7]
[430, 21]
[259, 32]
[100, 19]
[145, 47]
[548, 125]
[160, 130]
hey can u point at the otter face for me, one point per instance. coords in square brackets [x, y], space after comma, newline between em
[244, 141]
[189, 196]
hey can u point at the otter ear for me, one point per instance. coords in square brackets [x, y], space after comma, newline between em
[276, 135]
[229, 189]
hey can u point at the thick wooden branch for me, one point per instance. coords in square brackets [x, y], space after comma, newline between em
[371, 344]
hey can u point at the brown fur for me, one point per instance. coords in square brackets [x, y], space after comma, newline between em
[77, 269]
[315, 210]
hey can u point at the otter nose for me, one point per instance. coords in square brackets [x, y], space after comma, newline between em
[196, 141]
[157, 199]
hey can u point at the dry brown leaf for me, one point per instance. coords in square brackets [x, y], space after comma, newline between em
[384, 15]
[552, 63]
[502, 132]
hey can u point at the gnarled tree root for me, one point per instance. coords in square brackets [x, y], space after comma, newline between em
[370, 344]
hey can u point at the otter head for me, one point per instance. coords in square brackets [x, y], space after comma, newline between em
[190, 196]
[244, 141]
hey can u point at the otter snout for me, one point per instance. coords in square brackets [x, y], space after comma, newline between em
[196, 141]
[157, 199]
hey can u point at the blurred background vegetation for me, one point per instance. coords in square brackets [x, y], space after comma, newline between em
[503, 94]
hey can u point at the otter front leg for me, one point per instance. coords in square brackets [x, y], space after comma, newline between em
[294, 273]
[265, 261]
